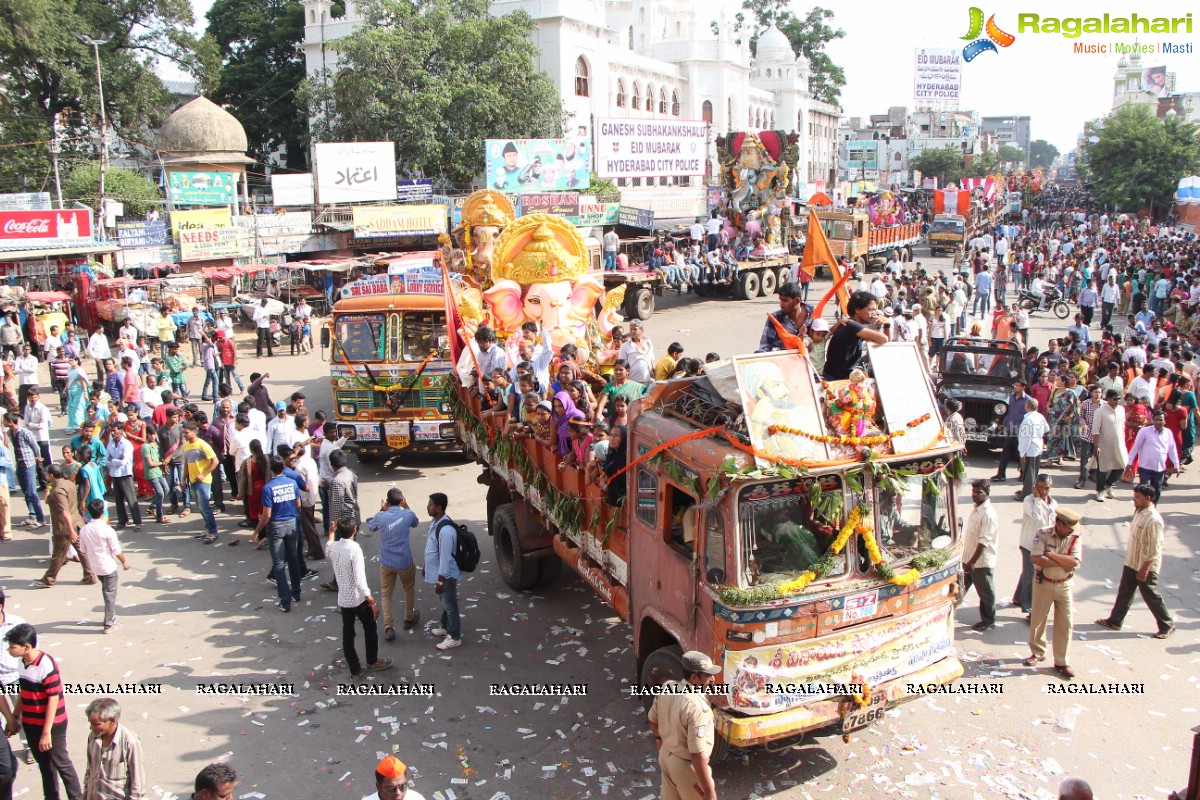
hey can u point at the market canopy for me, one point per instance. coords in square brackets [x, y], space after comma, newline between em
[820, 199]
[48, 297]
[326, 264]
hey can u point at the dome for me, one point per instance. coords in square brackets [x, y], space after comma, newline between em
[1123, 63]
[774, 46]
[203, 127]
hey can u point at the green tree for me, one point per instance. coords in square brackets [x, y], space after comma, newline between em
[604, 189]
[945, 164]
[1011, 155]
[808, 34]
[1042, 153]
[1137, 159]
[126, 186]
[261, 66]
[983, 165]
[46, 70]
[437, 77]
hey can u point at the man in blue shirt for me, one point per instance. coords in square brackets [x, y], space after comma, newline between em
[394, 522]
[442, 571]
[280, 509]
[1012, 424]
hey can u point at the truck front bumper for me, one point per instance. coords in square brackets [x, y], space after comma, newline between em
[748, 731]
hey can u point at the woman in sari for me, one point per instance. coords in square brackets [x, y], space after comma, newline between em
[1064, 420]
[1137, 414]
[1187, 400]
[255, 471]
[8, 389]
[135, 431]
[77, 395]
[562, 411]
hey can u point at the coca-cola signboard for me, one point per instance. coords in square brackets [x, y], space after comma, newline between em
[52, 228]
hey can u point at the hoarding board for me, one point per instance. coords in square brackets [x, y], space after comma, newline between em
[355, 172]
[292, 190]
[634, 148]
[200, 244]
[142, 234]
[519, 166]
[383, 221]
[202, 188]
[46, 228]
[937, 75]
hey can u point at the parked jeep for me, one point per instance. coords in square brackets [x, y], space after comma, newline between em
[979, 373]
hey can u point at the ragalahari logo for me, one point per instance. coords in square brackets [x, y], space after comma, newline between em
[995, 36]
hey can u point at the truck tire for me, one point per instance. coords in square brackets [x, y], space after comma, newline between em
[517, 571]
[767, 284]
[664, 664]
[783, 275]
[862, 265]
[747, 287]
[549, 568]
[642, 304]
[906, 254]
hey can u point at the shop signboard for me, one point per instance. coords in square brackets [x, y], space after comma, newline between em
[592, 215]
[46, 228]
[414, 191]
[635, 148]
[521, 166]
[292, 190]
[145, 256]
[200, 244]
[151, 233]
[636, 217]
[668, 202]
[200, 218]
[564, 204]
[384, 221]
[25, 201]
[202, 188]
[355, 172]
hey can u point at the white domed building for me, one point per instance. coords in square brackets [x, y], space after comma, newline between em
[653, 59]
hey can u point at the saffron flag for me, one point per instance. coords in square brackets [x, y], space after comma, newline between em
[816, 253]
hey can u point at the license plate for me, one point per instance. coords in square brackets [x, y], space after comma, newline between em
[867, 715]
[977, 436]
[398, 442]
[860, 606]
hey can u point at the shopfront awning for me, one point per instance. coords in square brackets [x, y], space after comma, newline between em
[21, 253]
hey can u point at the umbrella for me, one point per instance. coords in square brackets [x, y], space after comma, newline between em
[820, 199]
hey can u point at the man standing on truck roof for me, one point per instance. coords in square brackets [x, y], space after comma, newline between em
[862, 324]
[793, 316]
[611, 243]
[684, 730]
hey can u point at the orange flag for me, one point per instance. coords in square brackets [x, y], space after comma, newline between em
[816, 253]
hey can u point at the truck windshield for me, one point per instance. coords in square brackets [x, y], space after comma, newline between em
[780, 535]
[913, 519]
[838, 228]
[423, 334]
[358, 337]
[947, 226]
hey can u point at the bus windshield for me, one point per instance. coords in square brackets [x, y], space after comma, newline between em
[947, 226]
[359, 337]
[424, 332]
[913, 519]
[780, 536]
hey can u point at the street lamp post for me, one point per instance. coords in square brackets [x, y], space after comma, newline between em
[95, 45]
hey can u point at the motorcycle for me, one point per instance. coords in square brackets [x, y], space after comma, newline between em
[1031, 301]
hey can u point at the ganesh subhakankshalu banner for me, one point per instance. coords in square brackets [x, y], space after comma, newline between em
[385, 221]
[766, 680]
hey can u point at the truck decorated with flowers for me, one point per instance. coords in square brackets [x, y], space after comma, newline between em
[804, 535]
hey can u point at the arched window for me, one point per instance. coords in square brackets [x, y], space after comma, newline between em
[674, 103]
[729, 111]
[768, 72]
[642, 14]
[649, 98]
[662, 102]
[642, 42]
[772, 125]
[620, 93]
[679, 30]
[581, 78]
[750, 118]
[706, 112]
[630, 37]
[637, 97]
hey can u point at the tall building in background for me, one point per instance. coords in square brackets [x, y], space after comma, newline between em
[1012, 131]
[652, 60]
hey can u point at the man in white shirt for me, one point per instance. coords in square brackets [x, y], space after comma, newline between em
[1142, 387]
[611, 243]
[97, 348]
[488, 356]
[880, 289]
[128, 332]
[225, 323]
[262, 326]
[1031, 444]
[98, 542]
[713, 229]
[920, 328]
[25, 367]
[303, 462]
[1038, 512]
[126, 350]
[35, 416]
[325, 469]
[120, 478]
[696, 231]
[277, 427]
[354, 597]
[638, 352]
[980, 537]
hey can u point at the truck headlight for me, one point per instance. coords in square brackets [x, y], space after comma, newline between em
[1000, 409]
[444, 407]
[446, 430]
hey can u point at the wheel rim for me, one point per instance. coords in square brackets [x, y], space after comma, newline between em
[767, 285]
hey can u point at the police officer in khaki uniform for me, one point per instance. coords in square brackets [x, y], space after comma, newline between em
[1056, 553]
[683, 724]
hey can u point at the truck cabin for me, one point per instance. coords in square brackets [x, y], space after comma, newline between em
[948, 224]
[844, 227]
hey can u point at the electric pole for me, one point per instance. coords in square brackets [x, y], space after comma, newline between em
[95, 45]
[54, 150]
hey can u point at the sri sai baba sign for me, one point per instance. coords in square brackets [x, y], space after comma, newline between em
[636, 148]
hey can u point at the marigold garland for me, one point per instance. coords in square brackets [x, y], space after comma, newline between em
[861, 699]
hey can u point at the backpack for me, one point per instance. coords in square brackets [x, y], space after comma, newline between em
[466, 546]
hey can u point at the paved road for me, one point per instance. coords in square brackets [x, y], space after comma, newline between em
[205, 614]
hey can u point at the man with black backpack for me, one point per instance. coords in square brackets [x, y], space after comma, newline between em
[447, 544]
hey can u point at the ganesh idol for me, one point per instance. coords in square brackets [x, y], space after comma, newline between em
[540, 275]
[485, 214]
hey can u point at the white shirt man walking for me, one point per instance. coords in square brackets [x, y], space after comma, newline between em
[980, 538]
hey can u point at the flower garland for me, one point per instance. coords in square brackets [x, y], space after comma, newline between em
[885, 570]
[861, 699]
[855, 441]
